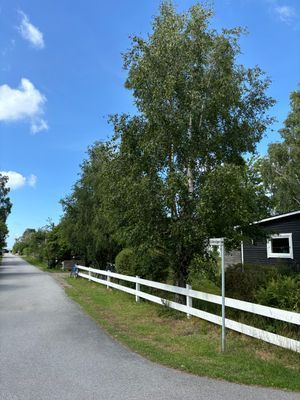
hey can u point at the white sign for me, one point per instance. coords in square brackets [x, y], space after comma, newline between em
[216, 241]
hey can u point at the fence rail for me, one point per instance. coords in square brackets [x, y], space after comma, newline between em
[189, 293]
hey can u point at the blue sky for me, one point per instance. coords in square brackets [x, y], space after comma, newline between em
[61, 76]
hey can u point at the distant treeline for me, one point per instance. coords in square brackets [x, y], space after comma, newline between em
[5, 208]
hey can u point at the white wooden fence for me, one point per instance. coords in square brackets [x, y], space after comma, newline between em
[270, 312]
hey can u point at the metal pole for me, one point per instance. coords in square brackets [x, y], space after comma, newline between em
[223, 296]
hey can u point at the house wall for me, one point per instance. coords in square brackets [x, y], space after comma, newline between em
[257, 254]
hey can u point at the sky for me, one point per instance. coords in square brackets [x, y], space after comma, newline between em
[61, 76]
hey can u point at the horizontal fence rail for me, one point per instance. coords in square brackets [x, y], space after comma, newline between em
[258, 309]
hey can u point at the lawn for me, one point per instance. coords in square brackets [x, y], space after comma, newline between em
[169, 338]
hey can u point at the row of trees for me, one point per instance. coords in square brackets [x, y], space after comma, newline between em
[174, 174]
[5, 208]
[46, 243]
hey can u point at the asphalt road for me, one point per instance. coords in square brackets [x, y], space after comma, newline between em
[49, 349]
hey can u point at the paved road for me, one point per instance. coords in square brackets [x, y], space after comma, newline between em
[49, 349]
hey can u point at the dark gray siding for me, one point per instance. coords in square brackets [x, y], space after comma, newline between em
[257, 254]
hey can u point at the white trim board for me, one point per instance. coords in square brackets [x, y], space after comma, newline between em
[277, 217]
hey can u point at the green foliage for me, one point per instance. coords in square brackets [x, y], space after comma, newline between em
[280, 168]
[32, 242]
[231, 196]
[85, 228]
[45, 244]
[152, 264]
[174, 174]
[5, 208]
[126, 262]
[147, 263]
[197, 113]
[243, 281]
[283, 292]
[203, 269]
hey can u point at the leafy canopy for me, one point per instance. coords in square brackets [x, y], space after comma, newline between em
[5, 209]
[280, 169]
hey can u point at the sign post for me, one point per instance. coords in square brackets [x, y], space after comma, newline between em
[220, 243]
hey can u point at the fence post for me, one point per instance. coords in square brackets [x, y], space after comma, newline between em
[137, 289]
[189, 300]
[108, 280]
[89, 273]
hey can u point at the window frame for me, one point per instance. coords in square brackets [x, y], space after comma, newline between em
[288, 236]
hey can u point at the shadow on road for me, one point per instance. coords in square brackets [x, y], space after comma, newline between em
[11, 260]
[9, 268]
[6, 287]
[7, 274]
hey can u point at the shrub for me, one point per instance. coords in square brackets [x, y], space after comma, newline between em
[126, 262]
[203, 269]
[152, 264]
[148, 263]
[204, 276]
[283, 292]
[242, 282]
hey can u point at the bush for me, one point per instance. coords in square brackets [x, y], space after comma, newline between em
[204, 276]
[283, 292]
[242, 282]
[152, 264]
[203, 269]
[126, 262]
[148, 263]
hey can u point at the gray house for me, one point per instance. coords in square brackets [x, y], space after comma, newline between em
[282, 245]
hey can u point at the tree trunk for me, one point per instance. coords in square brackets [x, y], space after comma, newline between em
[180, 276]
[189, 172]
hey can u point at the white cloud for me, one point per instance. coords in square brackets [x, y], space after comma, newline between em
[285, 13]
[17, 180]
[30, 32]
[23, 103]
[31, 180]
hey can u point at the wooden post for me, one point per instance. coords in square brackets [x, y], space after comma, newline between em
[137, 289]
[189, 300]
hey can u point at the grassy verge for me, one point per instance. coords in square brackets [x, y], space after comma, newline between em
[40, 264]
[167, 337]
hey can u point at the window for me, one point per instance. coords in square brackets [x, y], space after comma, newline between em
[280, 246]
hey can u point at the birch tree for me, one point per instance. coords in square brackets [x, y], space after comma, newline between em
[198, 109]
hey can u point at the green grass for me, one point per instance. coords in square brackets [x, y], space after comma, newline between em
[40, 264]
[189, 345]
